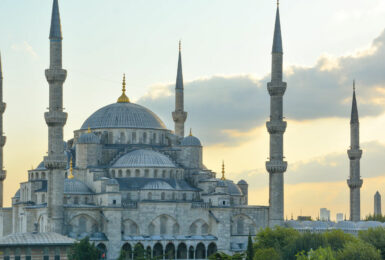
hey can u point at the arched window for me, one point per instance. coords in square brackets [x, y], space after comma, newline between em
[43, 175]
[163, 225]
[155, 173]
[184, 196]
[43, 198]
[57, 253]
[138, 251]
[144, 137]
[7, 254]
[46, 253]
[28, 254]
[128, 250]
[164, 174]
[175, 229]
[122, 138]
[200, 252]
[133, 137]
[151, 229]
[82, 225]
[113, 173]
[110, 138]
[170, 251]
[173, 196]
[137, 172]
[76, 200]
[212, 249]
[193, 229]
[163, 196]
[120, 173]
[205, 229]
[191, 252]
[182, 251]
[17, 254]
[154, 138]
[146, 172]
[103, 251]
[133, 229]
[240, 226]
[149, 196]
[128, 173]
[158, 251]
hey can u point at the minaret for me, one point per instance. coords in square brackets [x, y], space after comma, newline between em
[3, 173]
[179, 115]
[377, 204]
[354, 153]
[276, 166]
[56, 161]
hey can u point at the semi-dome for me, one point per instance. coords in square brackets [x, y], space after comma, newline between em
[88, 138]
[242, 182]
[143, 158]
[123, 115]
[233, 188]
[191, 141]
[74, 186]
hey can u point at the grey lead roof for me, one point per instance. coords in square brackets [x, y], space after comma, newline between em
[191, 141]
[354, 115]
[46, 238]
[179, 76]
[123, 115]
[74, 186]
[277, 41]
[144, 158]
[154, 184]
[55, 31]
[88, 138]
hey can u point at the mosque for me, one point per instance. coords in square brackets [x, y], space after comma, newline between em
[125, 181]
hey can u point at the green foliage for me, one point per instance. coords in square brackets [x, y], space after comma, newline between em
[83, 250]
[375, 237]
[250, 249]
[223, 256]
[380, 218]
[319, 254]
[336, 239]
[266, 254]
[305, 243]
[358, 250]
[277, 238]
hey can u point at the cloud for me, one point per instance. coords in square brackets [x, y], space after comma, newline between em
[25, 47]
[329, 168]
[218, 106]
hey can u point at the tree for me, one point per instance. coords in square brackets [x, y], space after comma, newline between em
[83, 250]
[375, 237]
[376, 217]
[250, 249]
[266, 254]
[277, 238]
[305, 242]
[319, 254]
[358, 250]
[337, 239]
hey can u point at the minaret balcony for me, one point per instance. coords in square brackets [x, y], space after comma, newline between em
[276, 166]
[3, 175]
[179, 116]
[354, 154]
[3, 106]
[355, 183]
[55, 161]
[55, 118]
[276, 88]
[276, 127]
[3, 140]
[55, 75]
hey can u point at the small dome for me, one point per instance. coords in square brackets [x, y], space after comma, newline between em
[144, 158]
[191, 141]
[123, 115]
[112, 182]
[88, 138]
[242, 182]
[233, 188]
[74, 186]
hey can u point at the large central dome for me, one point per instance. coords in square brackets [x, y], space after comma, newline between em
[123, 115]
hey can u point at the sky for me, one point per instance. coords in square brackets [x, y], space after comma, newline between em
[226, 53]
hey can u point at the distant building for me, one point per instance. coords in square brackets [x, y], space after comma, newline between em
[324, 214]
[377, 204]
[339, 217]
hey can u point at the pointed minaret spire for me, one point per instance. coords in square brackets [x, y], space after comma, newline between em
[3, 173]
[354, 114]
[56, 118]
[355, 153]
[277, 41]
[179, 115]
[276, 126]
[223, 171]
[55, 32]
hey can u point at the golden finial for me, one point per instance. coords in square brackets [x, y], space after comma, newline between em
[180, 45]
[354, 85]
[190, 132]
[223, 171]
[277, 3]
[89, 129]
[71, 176]
[123, 98]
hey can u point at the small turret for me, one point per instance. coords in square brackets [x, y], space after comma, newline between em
[191, 154]
[88, 150]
